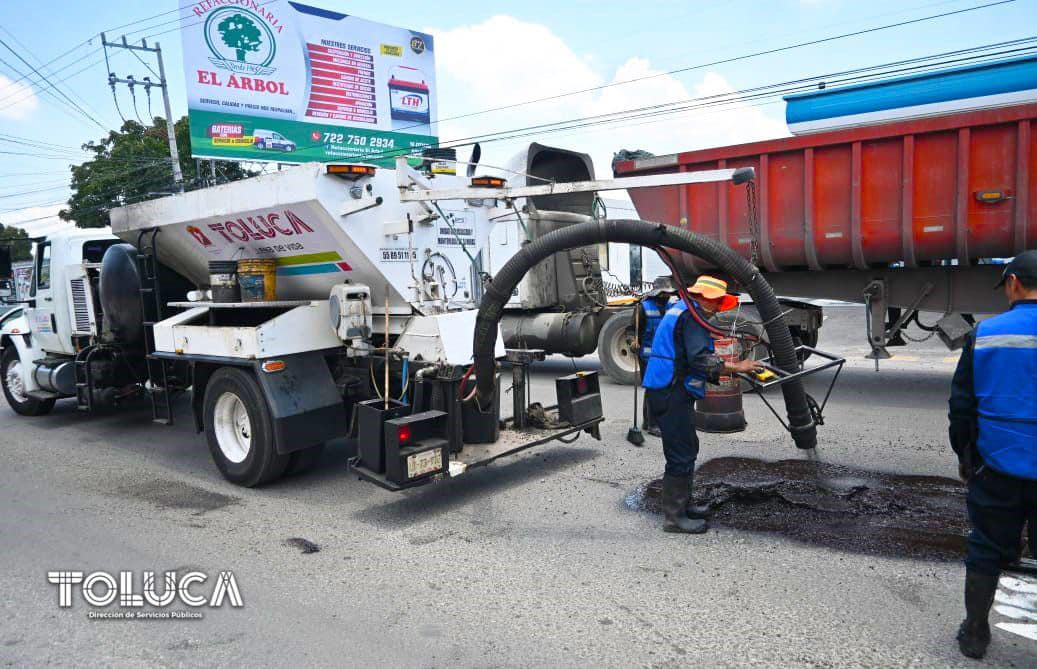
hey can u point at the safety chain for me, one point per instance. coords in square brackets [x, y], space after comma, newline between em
[917, 340]
[753, 220]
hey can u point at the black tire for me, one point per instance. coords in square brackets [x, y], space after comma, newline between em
[261, 463]
[302, 461]
[803, 337]
[29, 406]
[616, 348]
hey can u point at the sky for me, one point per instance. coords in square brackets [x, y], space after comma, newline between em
[489, 55]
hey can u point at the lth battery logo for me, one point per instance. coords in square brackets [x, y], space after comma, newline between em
[242, 41]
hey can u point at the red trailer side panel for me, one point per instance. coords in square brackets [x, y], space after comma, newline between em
[960, 186]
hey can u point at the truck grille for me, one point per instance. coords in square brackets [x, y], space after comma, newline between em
[81, 306]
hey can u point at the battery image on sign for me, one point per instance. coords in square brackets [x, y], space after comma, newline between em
[408, 96]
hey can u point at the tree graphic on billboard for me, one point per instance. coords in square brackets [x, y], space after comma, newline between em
[241, 34]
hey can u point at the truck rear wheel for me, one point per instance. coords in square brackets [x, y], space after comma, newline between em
[14, 388]
[239, 429]
[616, 348]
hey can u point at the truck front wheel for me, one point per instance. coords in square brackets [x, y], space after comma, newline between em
[239, 429]
[616, 348]
[14, 388]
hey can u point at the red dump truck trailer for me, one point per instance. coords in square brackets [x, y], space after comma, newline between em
[904, 217]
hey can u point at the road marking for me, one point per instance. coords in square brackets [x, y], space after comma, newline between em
[1015, 613]
[1022, 629]
[1018, 601]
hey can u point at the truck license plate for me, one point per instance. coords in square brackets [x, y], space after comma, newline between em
[424, 462]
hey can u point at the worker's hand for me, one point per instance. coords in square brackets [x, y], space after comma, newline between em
[743, 367]
[965, 467]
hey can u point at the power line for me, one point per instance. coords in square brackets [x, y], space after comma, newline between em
[47, 89]
[732, 97]
[154, 16]
[26, 92]
[791, 86]
[179, 20]
[15, 139]
[56, 59]
[59, 91]
[724, 61]
[4, 196]
[44, 67]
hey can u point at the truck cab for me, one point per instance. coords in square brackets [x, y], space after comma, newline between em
[60, 317]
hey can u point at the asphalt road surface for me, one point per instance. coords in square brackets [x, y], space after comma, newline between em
[536, 560]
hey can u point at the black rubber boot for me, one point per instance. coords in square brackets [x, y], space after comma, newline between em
[648, 423]
[974, 633]
[693, 510]
[676, 491]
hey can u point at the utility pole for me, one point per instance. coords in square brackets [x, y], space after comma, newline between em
[130, 81]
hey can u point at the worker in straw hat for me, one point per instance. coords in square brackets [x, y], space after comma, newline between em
[681, 361]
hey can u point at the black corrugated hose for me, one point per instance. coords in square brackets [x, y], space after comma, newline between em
[642, 233]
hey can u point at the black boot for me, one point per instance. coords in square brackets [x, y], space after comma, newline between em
[676, 491]
[974, 633]
[693, 510]
[648, 423]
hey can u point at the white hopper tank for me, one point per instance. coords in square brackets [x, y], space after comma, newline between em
[322, 230]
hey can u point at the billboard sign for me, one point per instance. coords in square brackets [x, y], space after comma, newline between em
[285, 82]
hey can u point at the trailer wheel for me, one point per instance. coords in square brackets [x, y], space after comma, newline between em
[302, 461]
[14, 388]
[616, 348]
[239, 429]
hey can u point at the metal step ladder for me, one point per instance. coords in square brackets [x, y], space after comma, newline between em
[152, 310]
[84, 379]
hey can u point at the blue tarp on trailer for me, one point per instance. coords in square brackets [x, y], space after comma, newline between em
[992, 84]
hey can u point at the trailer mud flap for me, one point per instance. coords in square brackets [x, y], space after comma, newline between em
[305, 404]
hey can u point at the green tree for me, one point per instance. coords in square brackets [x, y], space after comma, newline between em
[14, 246]
[131, 165]
[241, 34]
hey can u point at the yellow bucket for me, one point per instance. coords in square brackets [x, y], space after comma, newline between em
[258, 280]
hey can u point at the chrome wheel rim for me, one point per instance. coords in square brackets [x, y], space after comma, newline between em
[623, 350]
[233, 427]
[14, 383]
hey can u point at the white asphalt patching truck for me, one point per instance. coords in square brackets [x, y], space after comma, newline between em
[380, 281]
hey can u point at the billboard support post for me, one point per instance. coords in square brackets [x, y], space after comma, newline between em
[174, 155]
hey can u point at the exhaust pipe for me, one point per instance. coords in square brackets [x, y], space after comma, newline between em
[642, 233]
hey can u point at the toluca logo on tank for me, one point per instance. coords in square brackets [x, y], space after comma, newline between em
[259, 228]
[196, 232]
[241, 36]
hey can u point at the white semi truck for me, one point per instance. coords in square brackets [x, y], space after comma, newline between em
[391, 286]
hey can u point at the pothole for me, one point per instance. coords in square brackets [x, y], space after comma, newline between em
[831, 505]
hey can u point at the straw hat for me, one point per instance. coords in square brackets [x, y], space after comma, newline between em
[713, 288]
